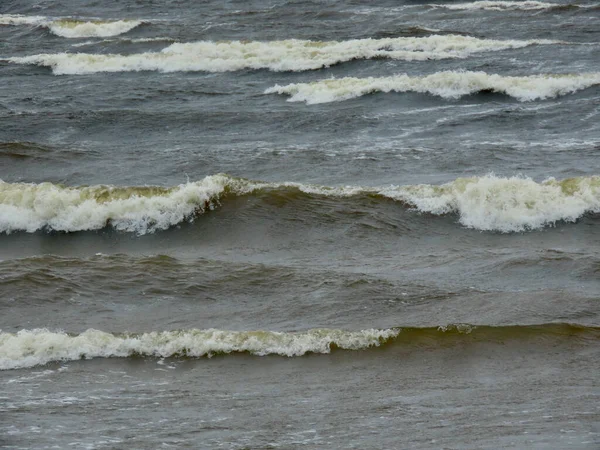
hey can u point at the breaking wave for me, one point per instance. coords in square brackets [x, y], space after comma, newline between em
[287, 55]
[28, 348]
[450, 85]
[506, 5]
[488, 203]
[73, 28]
[31, 207]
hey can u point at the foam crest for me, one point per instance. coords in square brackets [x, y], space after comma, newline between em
[18, 19]
[512, 204]
[488, 203]
[73, 28]
[32, 207]
[29, 348]
[286, 55]
[449, 85]
[501, 5]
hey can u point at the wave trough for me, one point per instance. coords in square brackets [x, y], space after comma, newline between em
[448, 85]
[73, 28]
[280, 56]
[487, 203]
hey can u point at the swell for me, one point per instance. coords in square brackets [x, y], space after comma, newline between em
[279, 56]
[448, 85]
[28, 348]
[23, 150]
[487, 203]
[71, 27]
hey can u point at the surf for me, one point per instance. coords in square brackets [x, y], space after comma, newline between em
[30, 348]
[487, 203]
[449, 85]
[73, 28]
[290, 55]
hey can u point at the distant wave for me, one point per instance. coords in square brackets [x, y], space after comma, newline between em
[488, 203]
[126, 40]
[28, 348]
[287, 55]
[505, 5]
[450, 85]
[73, 28]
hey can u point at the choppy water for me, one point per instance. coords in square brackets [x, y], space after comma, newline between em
[299, 224]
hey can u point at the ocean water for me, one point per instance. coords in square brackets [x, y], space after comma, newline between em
[299, 224]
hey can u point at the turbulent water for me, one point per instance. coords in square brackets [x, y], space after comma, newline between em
[299, 224]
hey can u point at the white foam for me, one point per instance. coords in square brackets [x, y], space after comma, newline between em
[18, 19]
[488, 203]
[132, 41]
[450, 85]
[287, 55]
[83, 29]
[73, 28]
[29, 348]
[491, 203]
[31, 207]
[512, 204]
[498, 5]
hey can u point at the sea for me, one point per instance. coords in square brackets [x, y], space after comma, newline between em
[299, 224]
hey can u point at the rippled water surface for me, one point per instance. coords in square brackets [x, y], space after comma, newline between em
[299, 224]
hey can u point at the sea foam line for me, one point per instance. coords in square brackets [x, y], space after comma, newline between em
[286, 55]
[489, 203]
[28, 348]
[505, 5]
[448, 84]
[71, 27]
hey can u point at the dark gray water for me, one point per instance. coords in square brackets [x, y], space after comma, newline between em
[299, 224]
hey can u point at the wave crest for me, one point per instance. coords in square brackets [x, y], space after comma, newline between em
[449, 85]
[73, 28]
[503, 5]
[487, 203]
[31, 207]
[287, 55]
[29, 348]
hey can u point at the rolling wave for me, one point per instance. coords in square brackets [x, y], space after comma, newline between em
[73, 28]
[487, 203]
[505, 5]
[449, 85]
[29, 348]
[279, 56]
[126, 40]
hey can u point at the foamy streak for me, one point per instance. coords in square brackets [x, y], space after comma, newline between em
[483, 203]
[288, 55]
[450, 85]
[29, 348]
[132, 41]
[17, 19]
[73, 28]
[503, 6]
